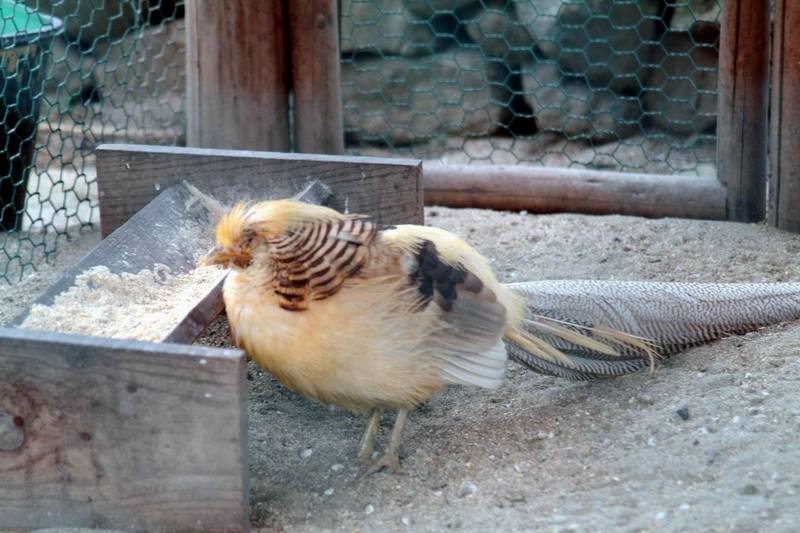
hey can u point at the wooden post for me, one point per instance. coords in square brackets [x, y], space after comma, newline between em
[784, 197]
[316, 84]
[237, 76]
[742, 123]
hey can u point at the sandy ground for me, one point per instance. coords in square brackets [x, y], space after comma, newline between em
[551, 455]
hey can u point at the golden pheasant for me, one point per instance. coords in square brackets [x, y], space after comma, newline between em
[368, 318]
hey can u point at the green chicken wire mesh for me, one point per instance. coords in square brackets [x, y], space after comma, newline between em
[608, 84]
[113, 71]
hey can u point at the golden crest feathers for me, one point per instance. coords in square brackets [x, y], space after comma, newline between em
[270, 217]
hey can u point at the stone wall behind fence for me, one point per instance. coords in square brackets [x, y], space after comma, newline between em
[594, 71]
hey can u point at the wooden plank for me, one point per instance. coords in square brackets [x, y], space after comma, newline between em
[316, 82]
[742, 105]
[784, 204]
[552, 190]
[129, 176]
[237, 75]
[121, 435]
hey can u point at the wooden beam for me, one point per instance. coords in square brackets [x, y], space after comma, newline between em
[121, 435]
[784, 197]
[742, 107]
[316, 82]
[552, 190]
[237, 75]
[129, 176]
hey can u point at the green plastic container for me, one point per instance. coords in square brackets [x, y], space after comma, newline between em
[25, 42]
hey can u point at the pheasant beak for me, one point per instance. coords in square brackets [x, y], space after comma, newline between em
[226, 258]
[216, 256]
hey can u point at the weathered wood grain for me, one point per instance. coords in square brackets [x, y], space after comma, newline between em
[316, 80]
[121, 434]
[784, 190]
[552, 190]
[742, 107]
[129, 176]
[237, 75]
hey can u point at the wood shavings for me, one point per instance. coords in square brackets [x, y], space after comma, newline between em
[198, 232]
[213, 206]
[144, 306]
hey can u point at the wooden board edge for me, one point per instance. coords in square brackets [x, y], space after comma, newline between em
[92, 342]
[252, 154]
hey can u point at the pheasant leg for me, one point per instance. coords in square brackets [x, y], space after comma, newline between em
[389, 460]
[367, 443]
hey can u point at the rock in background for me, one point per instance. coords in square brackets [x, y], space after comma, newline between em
[382, 27]
[566, 104]
[681, 96]
[412, 72]
[398, 101]
[608, 42]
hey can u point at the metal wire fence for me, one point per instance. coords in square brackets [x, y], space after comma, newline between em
[77, 73]
[610, 84]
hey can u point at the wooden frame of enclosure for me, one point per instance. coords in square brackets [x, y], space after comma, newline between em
[116, 434]
[303, 45]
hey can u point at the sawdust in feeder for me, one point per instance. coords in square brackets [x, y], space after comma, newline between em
[143, 306]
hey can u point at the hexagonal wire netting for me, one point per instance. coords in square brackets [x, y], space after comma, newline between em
[608, 84]
[78, 73]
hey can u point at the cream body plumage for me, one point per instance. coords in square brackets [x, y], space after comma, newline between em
[381, 340]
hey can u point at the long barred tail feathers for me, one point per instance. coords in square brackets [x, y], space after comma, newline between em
[579, 352]
[639, 321]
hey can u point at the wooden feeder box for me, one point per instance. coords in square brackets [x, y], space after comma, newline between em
[121, 434]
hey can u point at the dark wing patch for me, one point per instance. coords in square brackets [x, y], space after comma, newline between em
[470, 319]
[438, 281]
[313, 262]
